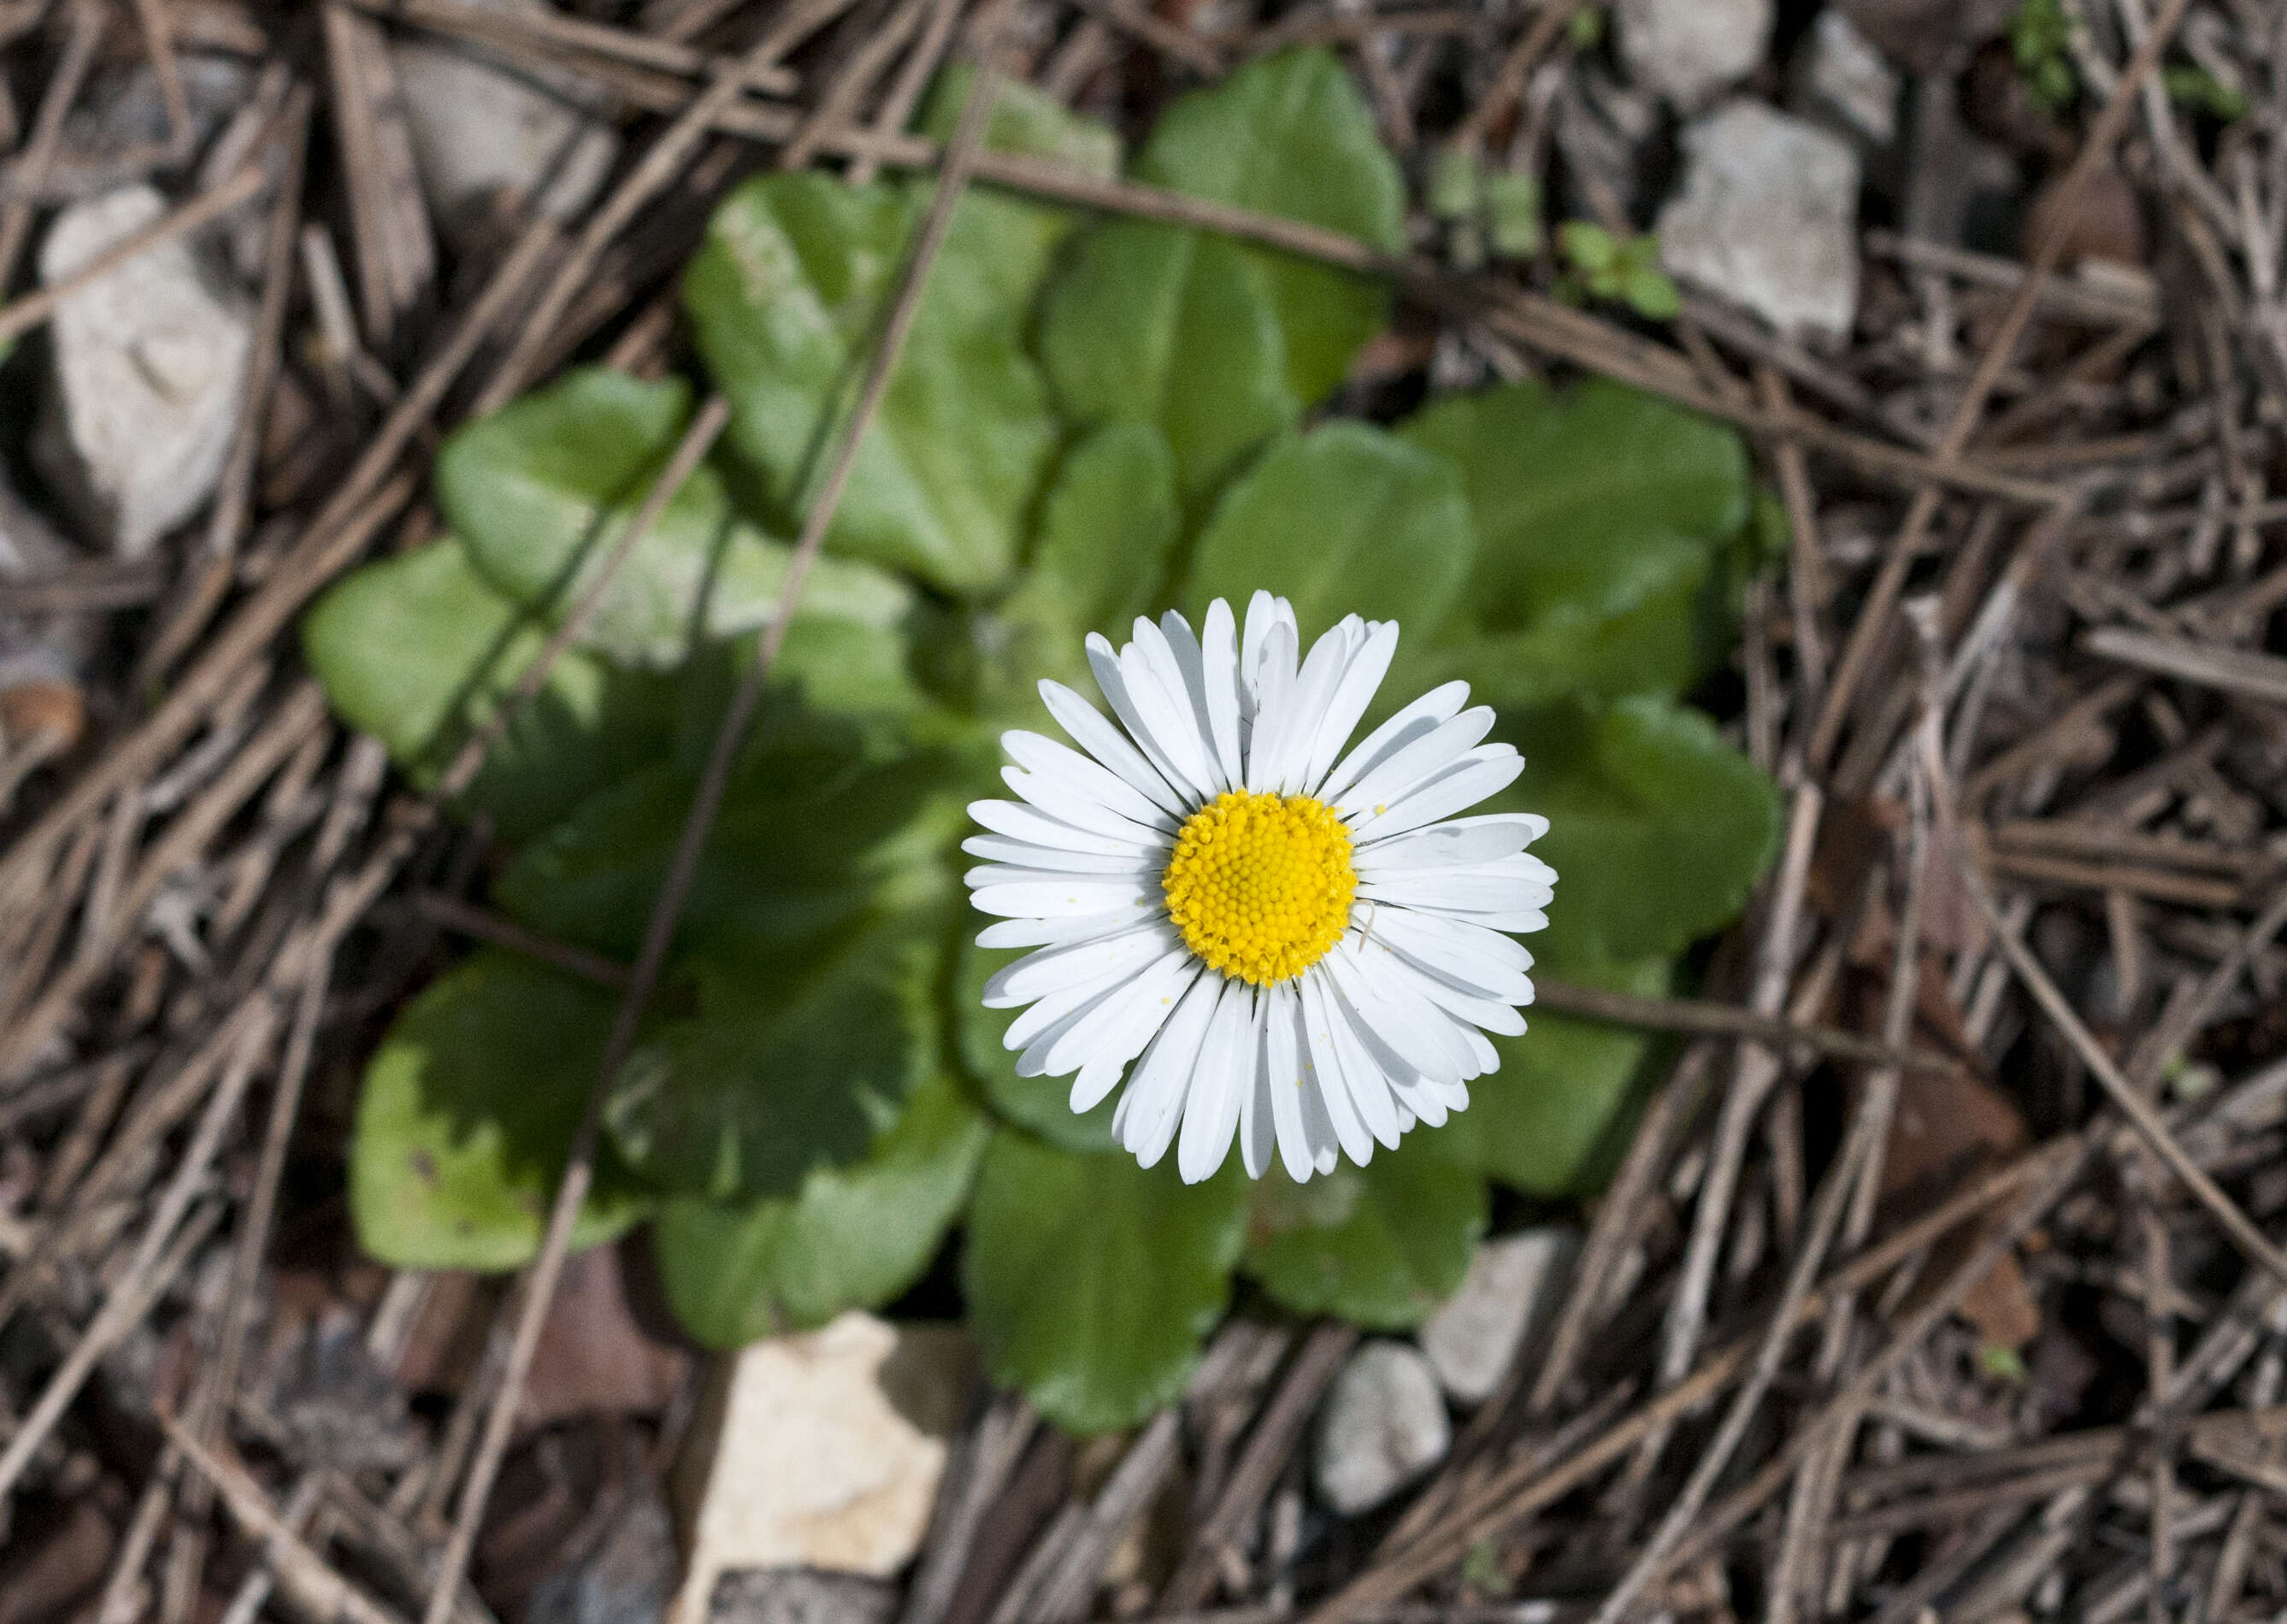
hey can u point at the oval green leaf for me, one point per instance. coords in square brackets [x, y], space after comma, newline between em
[468, 1113]
[851, 1237]
[1091, 1282]
[1382, 1245]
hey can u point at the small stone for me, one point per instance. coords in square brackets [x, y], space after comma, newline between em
[491, 141]
[1689, 52]
[1841, 80]
[1768, 218]
[150, 361]
[123, 119]
[627, 1579]
[801, 1596]
[1383, 1424]
[1513, 1289]
[821, 1450]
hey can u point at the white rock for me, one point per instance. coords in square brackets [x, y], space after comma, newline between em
[150, 362]
[1514, 1288]
[1383, 1424]
[1768, 218]
[1842, 79]
[821, 1450]
[1691, 50]
[490, 140]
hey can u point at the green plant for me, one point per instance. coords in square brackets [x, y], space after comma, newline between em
[1603, 267]
[1091, 421]
[2040, 37]
[2195, 88]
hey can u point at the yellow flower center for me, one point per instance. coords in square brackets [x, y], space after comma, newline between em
[1260, 885]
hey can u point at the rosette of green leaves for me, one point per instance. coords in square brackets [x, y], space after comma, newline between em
[1093, 419]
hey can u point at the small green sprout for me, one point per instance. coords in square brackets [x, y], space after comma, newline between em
[1603, 267]
[2040, 36]
[2002, 1364]
[2199, 91]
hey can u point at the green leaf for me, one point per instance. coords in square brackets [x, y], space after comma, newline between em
[1634, 629]
[1347, 519]
[417, 651]
[1091, 1281]
[1513, 211]
[1552, 1121]
[852, 1237]
[1457, 184]
[468, 1113]
[1025, 120]
[784, 297]
[1290, 135]
[1590, 248]
[1382, 1245]
[1656, 828]
[1003, 239]
[1651, 294]
[795, 1062]
[541, 491]
[1152, 323]
[1041, 1104]
[1598, 514]
[1106, 530]
[811, 835]
[1558, 482]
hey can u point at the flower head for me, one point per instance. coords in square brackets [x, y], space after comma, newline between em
[1268, 934]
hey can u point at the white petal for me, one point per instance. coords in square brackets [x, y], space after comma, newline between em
[1113, 749]
[1111, 677]
[1454, 953]
[1159, 699]
[1054, 1006]
[1051, 969]
[1361, 680]
[1448, 844]
[1274, 713]
[1068, 803]
[1258, 1134]
[1490, 1013]
[1144, 1124]
[1117, 1025]
[1423, 716]
[1024, 855]
[1343, 1065]
[1191, 660]
[1460, 890]
[1406, 1029]
[1263, 613]
[1144, 1007]
[1219, 648]
[1043, 755]
[1423, 759]
[1285, 1083]
[1021, 822]
[1486, 770]
[1066, 896]
[986, 875]
[1226, 1072]
[1314, 690]
[1313, 1049]
[1022, 932]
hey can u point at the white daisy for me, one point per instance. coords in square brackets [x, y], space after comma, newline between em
[1291, 943]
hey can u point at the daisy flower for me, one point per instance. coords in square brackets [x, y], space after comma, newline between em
[1266, 934]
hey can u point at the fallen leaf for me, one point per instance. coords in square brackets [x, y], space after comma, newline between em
[593, 1358]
